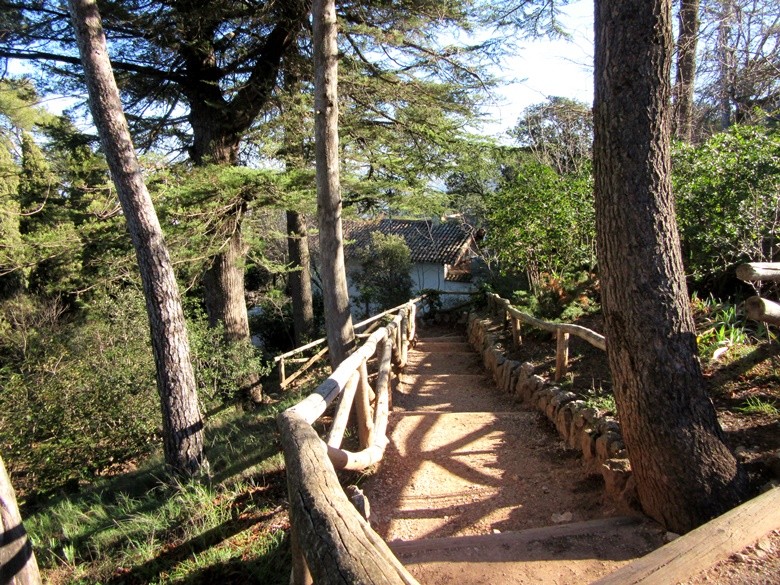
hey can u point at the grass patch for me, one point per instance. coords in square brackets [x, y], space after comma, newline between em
[139, 528]
[757, 405]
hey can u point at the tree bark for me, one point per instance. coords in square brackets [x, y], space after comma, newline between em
[218, 124]
[223, 286]
[726, 63]
[182, 422]
[17, 559]
[338, 320]
[685, 474]
[686, 69]
[300, 277]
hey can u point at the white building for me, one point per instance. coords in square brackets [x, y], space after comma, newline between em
[442, 253]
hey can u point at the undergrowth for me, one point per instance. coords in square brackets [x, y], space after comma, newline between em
[141, 528]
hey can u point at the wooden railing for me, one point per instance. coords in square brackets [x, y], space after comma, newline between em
[757, 308]
[331, 541]
[562, 332]
[286, 358]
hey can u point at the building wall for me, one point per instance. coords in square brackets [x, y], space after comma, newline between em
[424, 275]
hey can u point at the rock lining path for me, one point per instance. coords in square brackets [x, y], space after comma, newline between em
[476, 489]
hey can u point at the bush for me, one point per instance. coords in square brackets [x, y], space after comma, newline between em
[727, 199]
[384, 279]
[79, 394]
[221, 368]
[542, 222]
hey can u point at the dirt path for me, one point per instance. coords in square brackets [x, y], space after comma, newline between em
[475, 489]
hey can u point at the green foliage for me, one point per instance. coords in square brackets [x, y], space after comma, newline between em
[541, 222]
[600, 399]
[720, 325]
[220, 367]
[563, 298]
[271, 320]
[78, 395]
[384, 280]
[755, 405]
[79, 392]
[727, 204]
[133, 528]
[199, 207]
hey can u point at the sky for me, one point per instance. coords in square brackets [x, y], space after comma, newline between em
[545, 68]
[540, 69]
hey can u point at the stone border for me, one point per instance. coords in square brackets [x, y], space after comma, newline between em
[597, 437]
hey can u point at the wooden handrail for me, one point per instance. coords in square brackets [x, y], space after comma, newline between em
[757, 308]
[332, 543]
[756, 271]
[562, 332]
[285, 380]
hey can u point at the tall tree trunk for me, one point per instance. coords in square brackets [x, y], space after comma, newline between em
[726, 63]
[686, 69]
[684, 472]
[300, 277]
[338, 320]
[223, 282]
[17, 560]
[182, 422]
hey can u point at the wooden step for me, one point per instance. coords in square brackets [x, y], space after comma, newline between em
[441, 339]
[524, 556]
[453, 346]
[443, 392]
[443, 363]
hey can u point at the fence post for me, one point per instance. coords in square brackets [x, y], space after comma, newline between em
[403, 332]
[561, 355]
[516, 337]
[363, 409]
[300, 571]
[281, 372]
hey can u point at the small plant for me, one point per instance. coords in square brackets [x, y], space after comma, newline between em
[722, 327]
[756, 405]
[600, 399]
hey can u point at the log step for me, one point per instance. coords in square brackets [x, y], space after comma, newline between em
[443, 363]
[442, 392]
[524, 556]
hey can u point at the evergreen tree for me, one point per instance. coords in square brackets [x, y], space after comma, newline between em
[685, 473]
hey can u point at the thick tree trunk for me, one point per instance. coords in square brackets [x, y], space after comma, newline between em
[17, 560]
[182, 422]
[300, 277]
[684, 472]
[686, 69]
[223, 282]
[223, 285]
[338, 320]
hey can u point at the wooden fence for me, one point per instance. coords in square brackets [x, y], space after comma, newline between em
[288, 358]
[562, 332]
[757, 308]
[331, 542]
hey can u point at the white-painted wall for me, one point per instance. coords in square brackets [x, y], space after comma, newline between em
[424, 275]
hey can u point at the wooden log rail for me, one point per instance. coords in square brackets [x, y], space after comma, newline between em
[562, 331]
[288, 358]
[757, 308]
[331, 542]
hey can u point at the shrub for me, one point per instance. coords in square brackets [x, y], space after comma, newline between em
[384, 279]
[727, 199]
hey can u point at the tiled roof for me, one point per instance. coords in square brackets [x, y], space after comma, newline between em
[437, 243]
